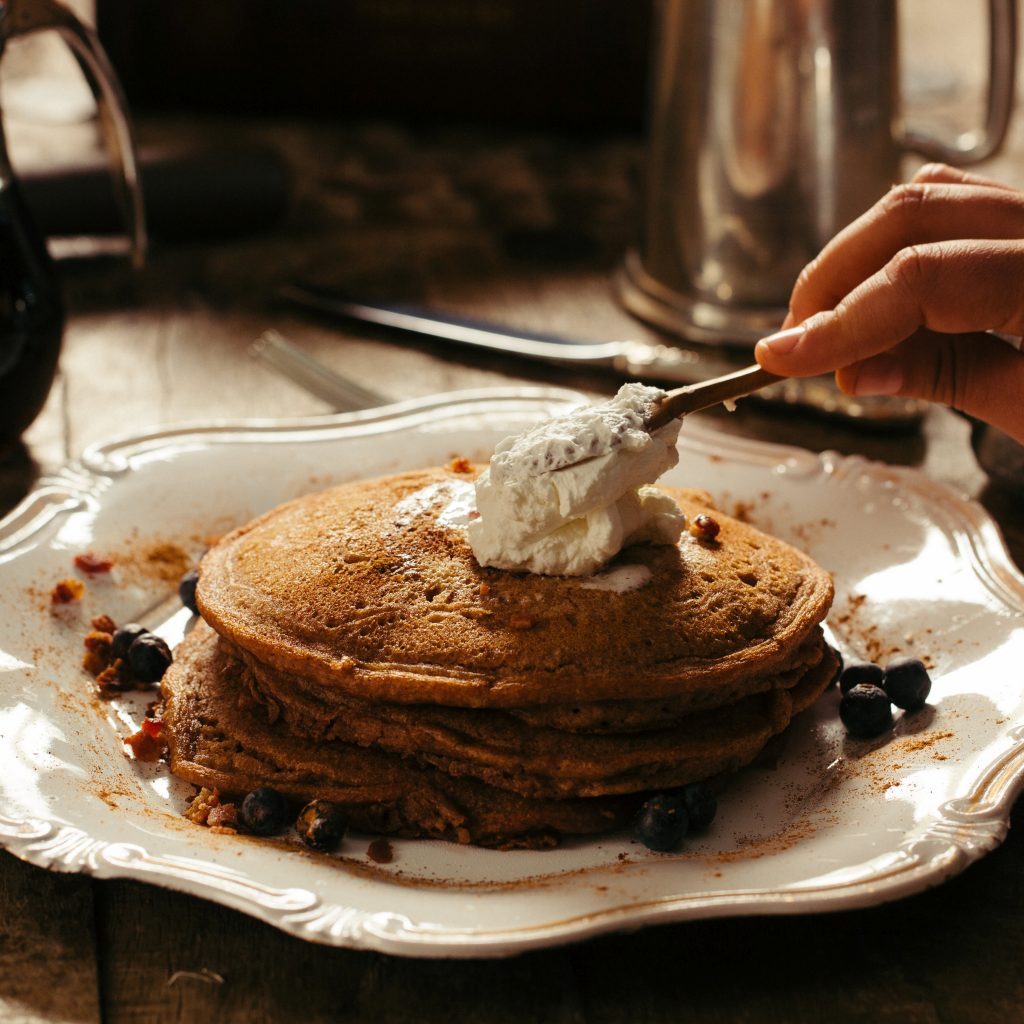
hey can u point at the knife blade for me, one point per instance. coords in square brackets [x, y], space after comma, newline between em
[638, 360]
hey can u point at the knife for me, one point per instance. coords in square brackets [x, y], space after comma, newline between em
[637, 360]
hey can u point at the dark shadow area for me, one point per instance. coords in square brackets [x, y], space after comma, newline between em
[18, 474]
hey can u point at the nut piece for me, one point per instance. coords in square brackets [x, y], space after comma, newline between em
[380, 851]
[704, 527]
[205, 801]
[223, 818]
[97, 655]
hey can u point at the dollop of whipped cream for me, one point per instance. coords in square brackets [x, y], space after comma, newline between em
[566, 496]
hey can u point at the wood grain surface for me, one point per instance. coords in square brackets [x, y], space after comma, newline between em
[523, 229]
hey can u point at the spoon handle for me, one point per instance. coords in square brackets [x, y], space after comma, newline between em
[693, 397]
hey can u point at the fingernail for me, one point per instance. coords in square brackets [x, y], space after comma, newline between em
[880, 375]
[782, 342]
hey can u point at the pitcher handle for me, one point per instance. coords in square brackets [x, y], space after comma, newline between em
[977, 146]
[21, 17]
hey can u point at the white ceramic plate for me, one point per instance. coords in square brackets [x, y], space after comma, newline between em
[832, 824]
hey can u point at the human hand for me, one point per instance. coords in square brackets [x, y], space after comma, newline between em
[898, 302]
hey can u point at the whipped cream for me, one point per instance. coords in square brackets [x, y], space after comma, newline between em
[568, 495]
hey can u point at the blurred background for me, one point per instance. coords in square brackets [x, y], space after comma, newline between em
[482, 158]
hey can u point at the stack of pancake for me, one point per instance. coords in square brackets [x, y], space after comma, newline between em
[352, 649]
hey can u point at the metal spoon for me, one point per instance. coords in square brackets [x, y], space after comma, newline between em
[693, 397]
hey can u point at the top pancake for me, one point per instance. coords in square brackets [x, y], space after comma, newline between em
[363, 587]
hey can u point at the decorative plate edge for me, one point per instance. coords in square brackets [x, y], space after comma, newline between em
[967, 828]
[112, 456]
[950, 843]
[69, 490]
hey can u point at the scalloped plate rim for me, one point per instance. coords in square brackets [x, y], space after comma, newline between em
[973, 834]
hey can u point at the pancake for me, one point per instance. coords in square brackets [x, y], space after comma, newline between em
[370, 588]
[624, 715]
[219, 739]
[353, 649]
[319, 703]
[504, 751]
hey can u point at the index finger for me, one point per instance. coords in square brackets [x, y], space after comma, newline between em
[909, 215]
[957, 176]
[948, 287]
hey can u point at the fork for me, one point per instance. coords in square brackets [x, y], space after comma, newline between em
[342, 394]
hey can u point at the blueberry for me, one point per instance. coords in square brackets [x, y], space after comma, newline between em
[321, 825]
[865, 711]
[661, 822]
[149, 657]
[860, 672]
[124, 638]
[264, 811]
[907, 683]
[701, 805]
[187, 590]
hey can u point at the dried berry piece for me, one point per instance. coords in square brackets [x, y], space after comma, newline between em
[865, 711]
[521, 621]
[661, 823]
[187, 590]
[857, 672]
[93, 565]
[149, 743]
[321, 825]
[264, 811]
[153, 725]
[704, 527]
[907, 683]
[149, 657]
[67, 591]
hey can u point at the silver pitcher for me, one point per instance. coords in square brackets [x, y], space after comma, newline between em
[773, 124]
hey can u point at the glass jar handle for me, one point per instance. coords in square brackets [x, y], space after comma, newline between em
[21, 17]
[974, 147]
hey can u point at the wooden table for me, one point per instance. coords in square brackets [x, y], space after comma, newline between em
[524, 230]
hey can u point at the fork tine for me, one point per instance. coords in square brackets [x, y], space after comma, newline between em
[342, 394]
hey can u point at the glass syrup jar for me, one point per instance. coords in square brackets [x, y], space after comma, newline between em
[31, 310]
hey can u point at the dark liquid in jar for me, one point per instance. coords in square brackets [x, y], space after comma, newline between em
[31, 318]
